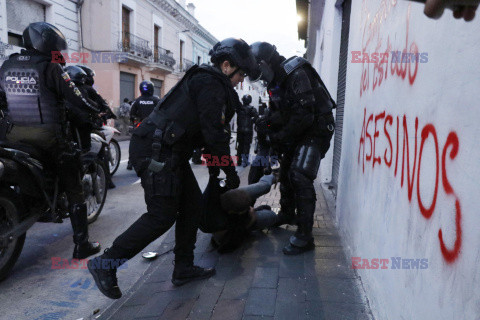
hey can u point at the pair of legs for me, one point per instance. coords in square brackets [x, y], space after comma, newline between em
[68, 171]
[171, 196]
[298, 171]
[243, 149]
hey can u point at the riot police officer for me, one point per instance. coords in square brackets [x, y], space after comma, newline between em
[246, 116]
[81, 119]
[36, 91]
[143, 106]
[85, 85]
[195, 113]
[264, 156]
[105, 111]
[301, 126]
[93, 121]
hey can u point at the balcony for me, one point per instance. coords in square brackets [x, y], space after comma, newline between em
[138, 49]
[163, 58]
[185, 64]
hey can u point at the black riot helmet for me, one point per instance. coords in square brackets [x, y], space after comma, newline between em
[268, 59]
[77, 74]
[44, 37]
[238, 53]
[90, 74]
[146, 88]
[247, 99]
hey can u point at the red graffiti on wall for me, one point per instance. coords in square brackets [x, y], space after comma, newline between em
[428, 134]
[371, 33]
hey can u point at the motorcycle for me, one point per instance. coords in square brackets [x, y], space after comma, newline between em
[113, 148]
[30, 193]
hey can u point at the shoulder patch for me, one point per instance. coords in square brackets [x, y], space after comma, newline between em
[66, 77]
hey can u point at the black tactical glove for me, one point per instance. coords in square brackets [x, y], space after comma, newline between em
[233, 181]
[213, 171]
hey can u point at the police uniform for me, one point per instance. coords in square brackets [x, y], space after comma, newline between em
[143, 106]
[195, 113]
[246, 116]
[301, 126]
[36, 91]
[263, 150]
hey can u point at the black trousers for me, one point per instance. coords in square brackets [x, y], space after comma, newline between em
[297, 190]
[243, 149]
[174, 197]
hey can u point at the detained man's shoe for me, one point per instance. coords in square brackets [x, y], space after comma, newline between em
[111, 185]
[291, 250]
[190, 273]
[129, 166]
[106, 279]
[85, 250]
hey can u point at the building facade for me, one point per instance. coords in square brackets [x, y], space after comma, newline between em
[124, 41]
[403, 165]
[156, 40]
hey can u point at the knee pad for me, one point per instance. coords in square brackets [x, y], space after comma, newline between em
[306, 159]
[302, 185]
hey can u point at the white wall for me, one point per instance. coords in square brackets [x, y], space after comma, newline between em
[378, 216]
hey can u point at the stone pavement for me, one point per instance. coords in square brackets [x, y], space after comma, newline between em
[255, 282]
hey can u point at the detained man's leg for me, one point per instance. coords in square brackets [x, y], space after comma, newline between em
[186, 232]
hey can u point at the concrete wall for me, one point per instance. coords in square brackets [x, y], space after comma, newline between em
[408, 184]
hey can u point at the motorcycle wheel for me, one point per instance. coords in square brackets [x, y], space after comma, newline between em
[9, 218]
[95, 189]
[115, 156]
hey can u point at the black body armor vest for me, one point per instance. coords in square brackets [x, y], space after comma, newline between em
[30, 102]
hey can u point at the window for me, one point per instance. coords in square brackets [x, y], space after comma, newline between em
[126, 28]
[157, 87]
[199, 60]
[20, 13]
[15, 39]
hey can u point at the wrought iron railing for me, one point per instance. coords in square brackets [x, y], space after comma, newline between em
[185, 64]
[163, 56]
[135, 45]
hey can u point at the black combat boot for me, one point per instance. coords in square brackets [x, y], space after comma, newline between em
[302, 240]
[78, 218]
[184, 273]
[105, 275]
